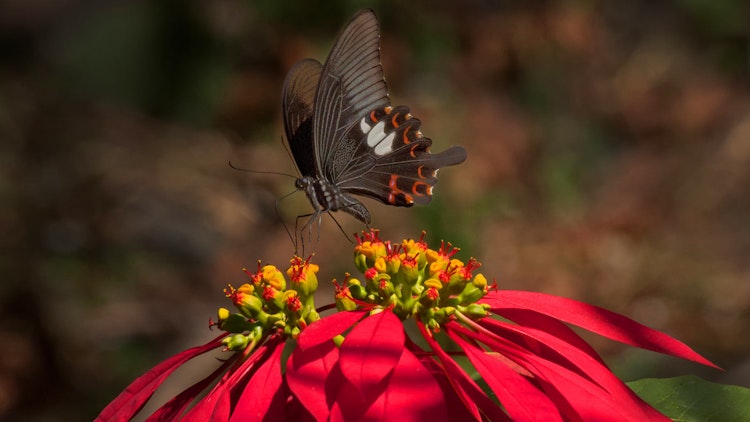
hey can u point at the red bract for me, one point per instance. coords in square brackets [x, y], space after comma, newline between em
[543, 372]
[370, 377]
[530, 309]
[477, 353]
[533, 366]
[249, 384]
[135, 396]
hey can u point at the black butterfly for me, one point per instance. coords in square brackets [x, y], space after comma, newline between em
[347, 139]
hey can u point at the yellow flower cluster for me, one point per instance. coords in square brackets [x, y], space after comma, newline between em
[267, 306]
[413, 280]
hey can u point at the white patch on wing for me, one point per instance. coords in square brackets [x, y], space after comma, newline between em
[377, 139]
[364, 126]
[376, 135]
[384, 147]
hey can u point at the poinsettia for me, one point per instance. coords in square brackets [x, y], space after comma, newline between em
[419, 337]
[249, 383]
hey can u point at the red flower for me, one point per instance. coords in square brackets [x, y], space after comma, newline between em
[534, 366]
[249, 384]
[360, 363]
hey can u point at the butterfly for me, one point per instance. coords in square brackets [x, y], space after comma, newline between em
[346, 138]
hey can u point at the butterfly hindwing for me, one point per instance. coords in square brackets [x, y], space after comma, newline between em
[393, 163]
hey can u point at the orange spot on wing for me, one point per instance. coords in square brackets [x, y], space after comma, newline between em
[395, 191]
[427, 189]
[388, 109]
[392, 183]
[393, 120]
[372, 117]
[406, 135]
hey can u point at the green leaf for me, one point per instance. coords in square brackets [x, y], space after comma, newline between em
[690, 398]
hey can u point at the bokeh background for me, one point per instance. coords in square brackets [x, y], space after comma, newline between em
[609, 161]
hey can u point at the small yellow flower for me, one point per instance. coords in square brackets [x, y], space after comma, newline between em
[273, 277]
[303, 276]
[223, 314]
[433, 283]
[370, 247]
[380, 264]
[480, 281]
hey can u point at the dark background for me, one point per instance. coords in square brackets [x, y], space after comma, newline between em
[609, 161]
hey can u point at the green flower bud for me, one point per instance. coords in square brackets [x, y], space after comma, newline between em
[235, 323]
[236, 342]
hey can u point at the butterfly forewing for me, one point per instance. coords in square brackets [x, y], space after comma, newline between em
[351, 85]
[297, 102]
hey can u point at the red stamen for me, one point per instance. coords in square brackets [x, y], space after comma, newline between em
[469, 267]
[269, 292]
[433, 293]
[293, 303]
[447, 250]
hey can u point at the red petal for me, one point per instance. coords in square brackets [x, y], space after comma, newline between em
[371, 351]
[522, 400]
[307, 372]
[263, 397]
[327, 328]
[595, 319]
[211, 407]
[412, 394]
[347, 404]
[531, 319]
[217, 404]
[130, 401]
[575, 395]
[560, 352]
[468, 391]
[174, 407]
[457, 410]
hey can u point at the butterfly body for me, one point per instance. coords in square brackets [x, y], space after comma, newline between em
[345, 137]
[325, 196]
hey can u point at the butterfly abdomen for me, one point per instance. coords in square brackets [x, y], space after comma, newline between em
[325, 196]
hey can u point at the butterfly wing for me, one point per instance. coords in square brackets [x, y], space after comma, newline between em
[297, 103]
[348, 134]
[393, 162]
[351, 84]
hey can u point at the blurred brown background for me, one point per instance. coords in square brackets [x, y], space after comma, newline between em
[609, 161]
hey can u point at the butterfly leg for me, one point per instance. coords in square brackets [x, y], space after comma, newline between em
[281, 219]
[308, 226]
[349, 238]
[298, 232]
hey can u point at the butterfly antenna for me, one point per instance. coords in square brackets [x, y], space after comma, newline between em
[289, 154]
[261, 171]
